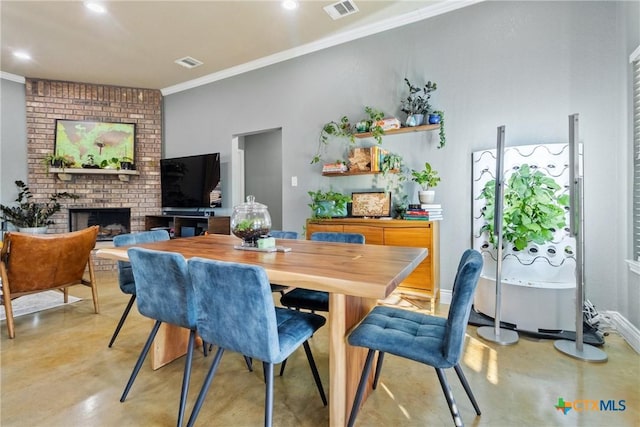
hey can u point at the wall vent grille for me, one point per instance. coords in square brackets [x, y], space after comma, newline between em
[188, 62]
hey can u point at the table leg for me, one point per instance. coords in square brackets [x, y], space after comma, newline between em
[170, 343]
[345, 361]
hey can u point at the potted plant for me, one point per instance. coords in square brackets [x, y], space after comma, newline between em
[416, 105]
[28, 215]
[112, 163]
[126, 163]
[534, 208]
[344, 129]
[437, 117]
[90, 163]
[328, 204]
[57, 161]
[426, 178]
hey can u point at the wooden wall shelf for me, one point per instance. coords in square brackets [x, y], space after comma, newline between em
[66, 173]
[349, 173]
[422, 128]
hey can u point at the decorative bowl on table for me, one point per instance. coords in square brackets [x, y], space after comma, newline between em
[250, 221]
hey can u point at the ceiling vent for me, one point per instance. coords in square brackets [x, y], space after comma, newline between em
[188, 62]
[341, 9]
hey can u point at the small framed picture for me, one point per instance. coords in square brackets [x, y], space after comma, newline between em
[371, 204]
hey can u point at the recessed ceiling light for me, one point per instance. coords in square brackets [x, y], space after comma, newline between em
[95, 7]
[22, 55]
[290, 4]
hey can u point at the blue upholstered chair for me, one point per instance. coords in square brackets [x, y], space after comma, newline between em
[431, 340]
[235, 310]
[308, 299]
[125, 275]
[165, 294]
[279, 234]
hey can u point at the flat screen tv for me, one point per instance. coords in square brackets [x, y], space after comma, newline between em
[189, 182]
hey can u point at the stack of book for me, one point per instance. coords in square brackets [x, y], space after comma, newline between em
[334, 167]
[424, 212]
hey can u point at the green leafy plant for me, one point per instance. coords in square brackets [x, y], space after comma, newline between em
[418, 100]
[326, 204]
[30, 214]
[534, 208]
[57, 161]
[374, 116]
[443, 138]
[112, 161]
[393, 170]
[426, 178]
[344, 129]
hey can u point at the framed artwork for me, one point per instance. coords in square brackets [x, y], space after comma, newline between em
[89, 143]
[371, 204]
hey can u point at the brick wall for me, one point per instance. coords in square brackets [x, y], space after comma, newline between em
[48, 100]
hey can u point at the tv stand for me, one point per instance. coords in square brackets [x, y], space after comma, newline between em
[200, 214]
[189, 225]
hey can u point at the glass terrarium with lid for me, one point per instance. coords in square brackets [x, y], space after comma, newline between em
[250, 221]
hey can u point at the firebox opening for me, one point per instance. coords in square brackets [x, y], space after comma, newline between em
[112, 221]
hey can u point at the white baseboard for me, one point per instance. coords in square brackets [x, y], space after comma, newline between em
[629, 332]
[445, 296]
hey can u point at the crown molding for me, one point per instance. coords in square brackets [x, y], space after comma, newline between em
[12, 77]
[368, 30]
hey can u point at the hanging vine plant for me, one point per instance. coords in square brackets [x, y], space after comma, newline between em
[534, 208]
[345, 129]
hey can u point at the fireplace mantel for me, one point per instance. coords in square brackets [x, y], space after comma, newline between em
[66, 173]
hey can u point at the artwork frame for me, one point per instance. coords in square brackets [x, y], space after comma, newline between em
[92, 143]
[371, 204]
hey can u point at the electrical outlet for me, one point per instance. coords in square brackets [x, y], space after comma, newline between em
[294, 181]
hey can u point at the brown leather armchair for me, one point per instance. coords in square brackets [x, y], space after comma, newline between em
[33, 263]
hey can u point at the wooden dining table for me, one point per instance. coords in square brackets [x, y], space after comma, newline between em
[355, 276]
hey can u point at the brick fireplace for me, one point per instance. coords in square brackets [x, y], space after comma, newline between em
[49, 100]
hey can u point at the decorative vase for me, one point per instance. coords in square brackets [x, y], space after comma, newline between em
[434, 119]
[414, 120]
[426, 196]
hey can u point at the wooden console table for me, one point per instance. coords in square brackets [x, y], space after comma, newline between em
[425, 280]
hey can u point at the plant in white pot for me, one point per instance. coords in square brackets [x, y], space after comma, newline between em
[28, 215]
[427, 179]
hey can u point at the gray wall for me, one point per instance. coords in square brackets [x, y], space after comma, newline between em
[263, 162]
[13, 138]
[526, 65]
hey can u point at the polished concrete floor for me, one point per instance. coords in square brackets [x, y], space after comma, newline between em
[58, 371]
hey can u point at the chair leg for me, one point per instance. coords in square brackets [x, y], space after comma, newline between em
[122, 319]
[314, 371]
[249, 363]
[186, 378]
[268, 401]
[376, 376]
[205, 387]
[457, 420]
[357, 400]
[143, 355]
[465, 384]
[282, 366]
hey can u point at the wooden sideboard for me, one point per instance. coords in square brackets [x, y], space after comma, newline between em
[425, 280]
[184, 226]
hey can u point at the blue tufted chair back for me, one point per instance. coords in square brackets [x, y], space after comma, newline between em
[326, 236]
[125, 275]
[279, 234]
[463, 289]
[163, 286]
[235, 308]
